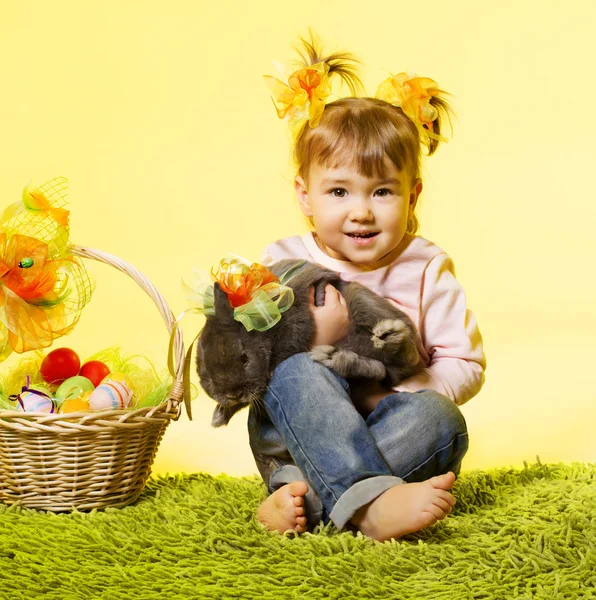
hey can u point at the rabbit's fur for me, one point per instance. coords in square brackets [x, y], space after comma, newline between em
[235, 365]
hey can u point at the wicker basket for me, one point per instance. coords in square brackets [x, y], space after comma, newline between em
[59, 462]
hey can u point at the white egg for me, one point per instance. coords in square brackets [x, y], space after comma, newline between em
[110, 394]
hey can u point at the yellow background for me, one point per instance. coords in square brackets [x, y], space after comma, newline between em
[157, 114]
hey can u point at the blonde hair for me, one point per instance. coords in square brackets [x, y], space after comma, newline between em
[361, 132]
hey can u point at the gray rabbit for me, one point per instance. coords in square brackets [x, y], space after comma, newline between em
[234, 365]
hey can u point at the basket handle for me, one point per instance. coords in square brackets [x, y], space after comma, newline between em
[176, 391]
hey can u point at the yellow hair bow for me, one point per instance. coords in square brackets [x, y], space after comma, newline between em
[304, 96]
[413, 95]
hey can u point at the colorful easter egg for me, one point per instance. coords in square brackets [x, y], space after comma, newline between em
[110, 394]
[34, 402]
[60, 364]
[74, 405]
[95, 370]
[124, 380]
[41, 388]
[73, 388]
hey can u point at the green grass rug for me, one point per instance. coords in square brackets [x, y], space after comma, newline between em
[528, 533]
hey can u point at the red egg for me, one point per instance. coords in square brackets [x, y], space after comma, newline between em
[60, 364]
[95, 370]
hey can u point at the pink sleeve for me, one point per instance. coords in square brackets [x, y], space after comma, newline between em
[450, 336]
[266, 259]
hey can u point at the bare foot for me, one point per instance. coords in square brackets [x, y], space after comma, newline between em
[284, 509]
[406, 508]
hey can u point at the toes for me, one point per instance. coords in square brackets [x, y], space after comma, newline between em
[447, 497]
[431, 517]
[443, 482]
[298, 488]
[443, 505]
[284, 509]
[436, 512]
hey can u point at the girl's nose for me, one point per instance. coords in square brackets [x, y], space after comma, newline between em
[360, 211]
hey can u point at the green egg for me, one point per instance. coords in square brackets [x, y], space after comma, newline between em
[73, 387]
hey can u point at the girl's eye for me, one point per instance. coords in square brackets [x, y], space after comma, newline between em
[340, 192]
[384, 192]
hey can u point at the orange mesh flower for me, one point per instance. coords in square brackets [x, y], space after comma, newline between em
[241, 282]
[413, 95]
[43, 287]
[257, 296]
[304, 97]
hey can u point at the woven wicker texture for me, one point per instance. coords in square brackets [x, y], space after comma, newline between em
[85, 460]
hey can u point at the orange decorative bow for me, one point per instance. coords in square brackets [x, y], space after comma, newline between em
[304, 97]
[42, 286]
[257, 296]
[25, 268]
[241, 282]
[413, 95]
[34, 199]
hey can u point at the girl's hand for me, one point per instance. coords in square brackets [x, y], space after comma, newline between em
[332, 320]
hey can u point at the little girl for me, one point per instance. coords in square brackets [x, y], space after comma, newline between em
[367, 458]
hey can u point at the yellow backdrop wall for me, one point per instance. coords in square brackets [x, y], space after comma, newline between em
[157, 114]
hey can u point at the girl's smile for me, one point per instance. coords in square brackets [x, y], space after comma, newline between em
[363, 238]
[357, 218]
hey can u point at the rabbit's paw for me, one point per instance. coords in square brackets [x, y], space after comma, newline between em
[389, 334]
[347, 363]
[323, 354]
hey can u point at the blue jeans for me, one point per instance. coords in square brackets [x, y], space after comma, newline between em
[311, 431]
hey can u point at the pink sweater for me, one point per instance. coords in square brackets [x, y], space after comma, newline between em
[419, 278]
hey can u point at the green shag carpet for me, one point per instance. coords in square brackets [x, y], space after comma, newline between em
[527, 533]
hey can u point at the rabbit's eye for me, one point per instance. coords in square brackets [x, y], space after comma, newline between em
[243, 358]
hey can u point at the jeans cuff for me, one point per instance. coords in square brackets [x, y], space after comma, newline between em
[360, 494]
[313, 507]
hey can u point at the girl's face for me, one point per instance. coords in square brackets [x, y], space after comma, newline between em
[357, 218]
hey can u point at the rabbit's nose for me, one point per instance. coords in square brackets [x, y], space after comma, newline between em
[234, 395]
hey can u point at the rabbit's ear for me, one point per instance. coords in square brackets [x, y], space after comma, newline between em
[223, 310]
[222, 415]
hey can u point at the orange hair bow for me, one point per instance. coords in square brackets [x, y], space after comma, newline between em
[304, 96]
[413, 95]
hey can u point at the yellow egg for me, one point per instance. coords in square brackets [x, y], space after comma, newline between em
[74, 405]
[85, 396]
[119, 377]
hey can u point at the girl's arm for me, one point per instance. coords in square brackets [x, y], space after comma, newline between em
[450, 336]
